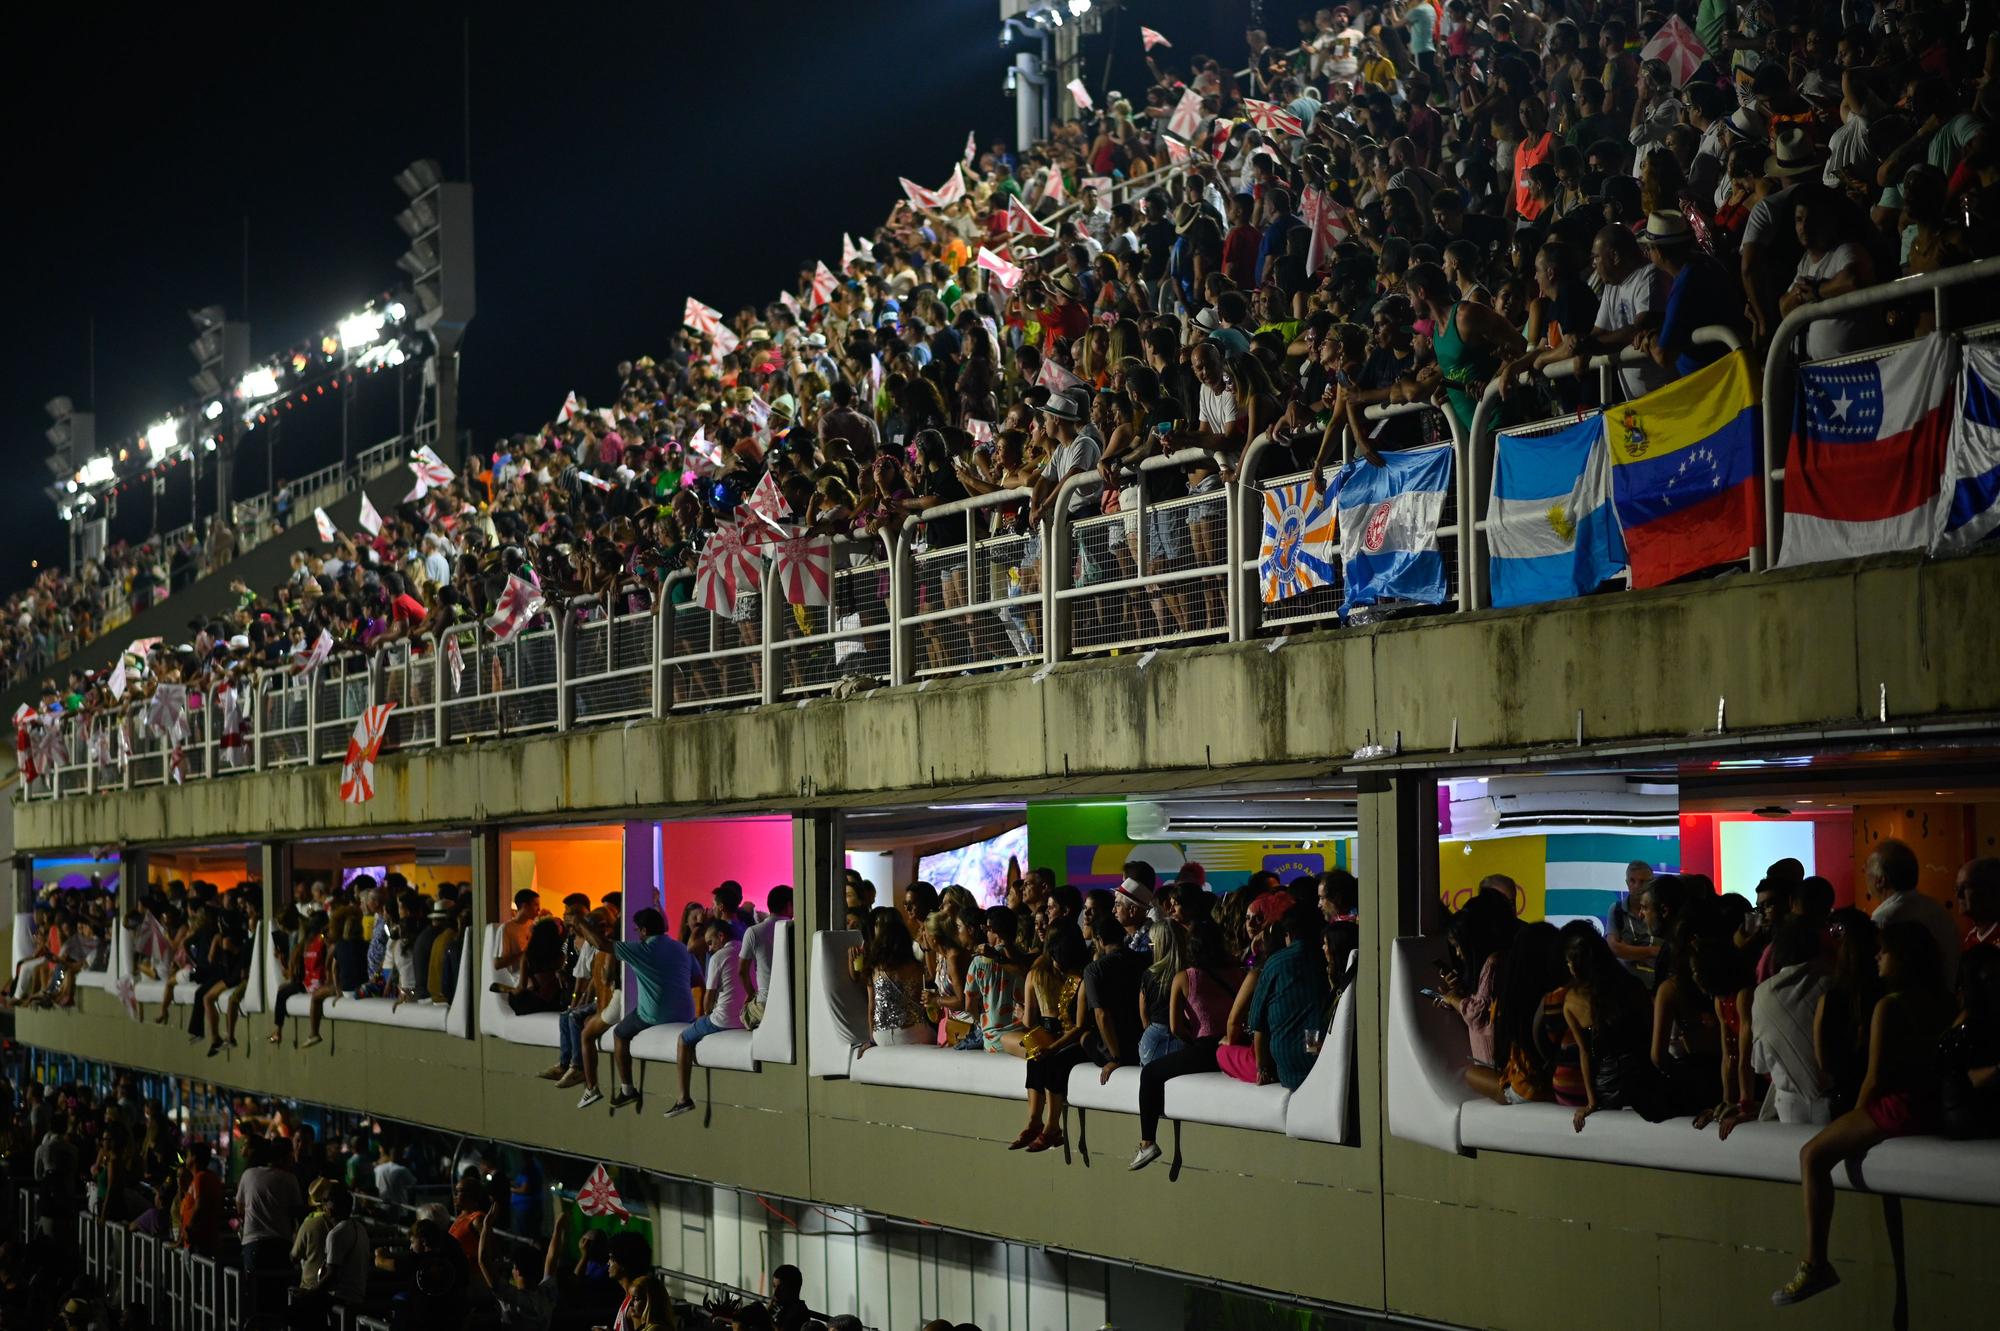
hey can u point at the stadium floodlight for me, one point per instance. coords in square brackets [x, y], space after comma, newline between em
[58, 434]
[163, 436]
[205, 318]
[427, 294]
[59, 408]
[207, 347]
[421, 259]
[419, 177]
[100, 470]
[205, 383]
[359, 330]
[213, 411]
[1078, 8]
[259, 383]
[419, 217]
[396, 312]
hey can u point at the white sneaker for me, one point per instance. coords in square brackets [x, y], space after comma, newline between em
[591, 1095]
[1144, 1156]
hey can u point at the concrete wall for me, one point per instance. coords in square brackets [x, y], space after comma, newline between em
[1493, 1240]
[1803, 650]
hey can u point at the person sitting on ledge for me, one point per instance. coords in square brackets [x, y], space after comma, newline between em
[723, 998]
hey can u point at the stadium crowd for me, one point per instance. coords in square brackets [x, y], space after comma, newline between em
[417, 1229]
[1694, 1004]
[1410, 201]
[1169, 978]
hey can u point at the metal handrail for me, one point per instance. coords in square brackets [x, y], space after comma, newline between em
[1475, 490]
[1781, 361]
[291, 719]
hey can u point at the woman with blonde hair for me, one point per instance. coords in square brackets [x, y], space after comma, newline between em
[1157, 1038]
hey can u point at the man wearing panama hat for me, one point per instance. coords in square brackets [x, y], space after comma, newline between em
[1771, 247]
[1699, 293]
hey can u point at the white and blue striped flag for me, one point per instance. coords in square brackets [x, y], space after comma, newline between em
[1972, 457]
[1551, 529]
[1389, 527]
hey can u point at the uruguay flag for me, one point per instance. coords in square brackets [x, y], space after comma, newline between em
[1863, 473]
[1550, 528]
[1389, 527]
[1972, 459]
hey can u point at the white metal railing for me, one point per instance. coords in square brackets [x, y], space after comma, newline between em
[973, 602]
[1783, 360]
[1151, 574]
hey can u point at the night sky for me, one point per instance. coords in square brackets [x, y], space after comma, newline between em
[623, 159]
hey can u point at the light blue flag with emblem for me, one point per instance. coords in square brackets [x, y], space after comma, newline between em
[1389, 527]
[1551, 529]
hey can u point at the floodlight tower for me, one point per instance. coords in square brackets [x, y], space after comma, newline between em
[438, 222]
[221, 351]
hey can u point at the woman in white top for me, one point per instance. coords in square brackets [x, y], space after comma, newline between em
[1782, 1017]
[1831, 266]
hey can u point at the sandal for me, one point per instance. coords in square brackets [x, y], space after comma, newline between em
[1027, 1137]
[1049, 1140]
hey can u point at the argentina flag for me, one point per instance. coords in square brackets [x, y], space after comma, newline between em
[1551, 529]
[1389, 527]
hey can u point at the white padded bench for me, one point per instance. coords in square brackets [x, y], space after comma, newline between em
[1430, 1104]
[423, 1015]
[1317, 1111]
[738, 1051]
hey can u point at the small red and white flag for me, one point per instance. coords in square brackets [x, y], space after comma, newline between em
[118, 680]
[802, 564]
[701, 448]
[1185, 122]
[316, 656]
[701, 317]
[1218, 136]
[1323, 217]
[325, 525]
[1055, 378]
[1677, 46]
[569, 408]
[823, 285]
[1177, 149]
[1152, 39]
[767, 501]
[728, 569]
[431, 467]
[1008, 275]
[599, 1196]
[1082, 95]
[952, 190]
[592, 479]
[1272, 118]
[1020, 219]
[24, 745]
[370, 520]
[357, 774]
[518, 604]
[1053, 193]
[849, 251]
[454, 657]
[981, 431]
[1102, 184]
[918, 196]
[791, 302]
[419, 488]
